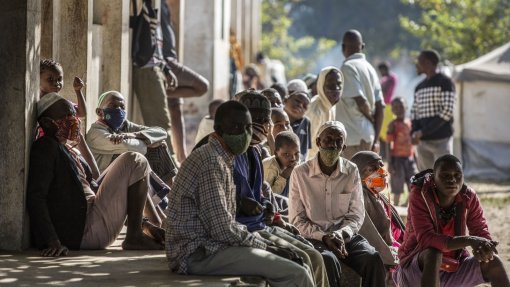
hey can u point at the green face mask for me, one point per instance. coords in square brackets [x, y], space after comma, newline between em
[329, 156]
[238, 144]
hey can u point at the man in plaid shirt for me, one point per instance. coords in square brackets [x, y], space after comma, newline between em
[202, 236]
[432, 112]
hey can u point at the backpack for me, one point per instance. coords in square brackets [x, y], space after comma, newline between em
[144, 33]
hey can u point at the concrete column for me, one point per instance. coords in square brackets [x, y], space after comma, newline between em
[115, 69]
[72, 42]
[19, 83]
[207, 52]
[177, 14]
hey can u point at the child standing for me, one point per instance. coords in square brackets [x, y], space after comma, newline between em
[400, 149]
[277, 169]
[296, 105]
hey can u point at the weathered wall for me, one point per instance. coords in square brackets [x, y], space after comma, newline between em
[19, 83]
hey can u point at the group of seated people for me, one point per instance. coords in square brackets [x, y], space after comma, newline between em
[247, 201]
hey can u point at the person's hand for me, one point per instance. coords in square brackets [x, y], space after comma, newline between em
[282, 252]
[171, 81]
[415, 137]
[55, 249]
[336, 244]
[78, 84]
[117, 138]
[269, 214]
[250, 207]
[483, 249]
[288, 170]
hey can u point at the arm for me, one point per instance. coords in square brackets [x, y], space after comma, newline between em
[149, 135]
[446, 114]
[87, 155]
[99, 140]
[297, 212]
[82, 108]
[364, 107]
[214, 212]
[378, 120]
[354, 217]
[271, 175]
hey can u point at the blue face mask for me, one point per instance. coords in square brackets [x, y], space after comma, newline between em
[114, 118]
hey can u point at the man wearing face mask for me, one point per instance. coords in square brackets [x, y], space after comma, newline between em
[326, 205]
[203, 237]
[112, 134]
[382, 227]
[255, 208]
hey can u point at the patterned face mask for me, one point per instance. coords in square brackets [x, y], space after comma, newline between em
[377, 181]
[68, 129]
[259, 134]
[329, 156]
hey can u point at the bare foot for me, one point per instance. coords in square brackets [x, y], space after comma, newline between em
[154, 231]
[142, 243]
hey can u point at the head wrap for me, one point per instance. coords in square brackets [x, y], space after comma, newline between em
[320, 84]
[332, 124]
[47, 101]
[364, 158]
[255, 100]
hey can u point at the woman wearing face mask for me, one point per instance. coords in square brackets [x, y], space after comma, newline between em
[322, 106]
[382, 227]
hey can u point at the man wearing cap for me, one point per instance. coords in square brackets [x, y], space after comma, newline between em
[67, 207]
[326, 205]
[112, 134]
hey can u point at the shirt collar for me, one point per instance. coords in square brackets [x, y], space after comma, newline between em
[219, 145]
[355, 56]
[315, 168]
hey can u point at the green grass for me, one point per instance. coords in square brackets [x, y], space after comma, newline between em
[495, 201]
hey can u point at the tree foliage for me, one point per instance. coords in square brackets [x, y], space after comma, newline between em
[461, 30]
[297, 53]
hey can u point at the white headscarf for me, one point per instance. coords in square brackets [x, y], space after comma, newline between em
[47, 101]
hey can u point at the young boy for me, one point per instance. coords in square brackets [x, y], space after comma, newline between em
[401, 163]
[52, 81]
[296, 105]
[442, 212]
[277, 169]
[206, 125]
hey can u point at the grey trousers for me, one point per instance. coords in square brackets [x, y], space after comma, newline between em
[149, 87]
[247, 261]
[430, 150]
[311, 257]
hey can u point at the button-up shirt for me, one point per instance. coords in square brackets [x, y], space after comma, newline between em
[320, 204]
[202, 207]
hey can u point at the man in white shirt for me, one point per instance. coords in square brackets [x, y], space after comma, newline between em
[361, 108]
[326, 206]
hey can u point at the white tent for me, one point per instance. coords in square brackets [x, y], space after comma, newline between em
[483, 121]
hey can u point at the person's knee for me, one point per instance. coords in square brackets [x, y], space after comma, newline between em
[202, 86]
[430, 256]
[492, 268]
[133, 159]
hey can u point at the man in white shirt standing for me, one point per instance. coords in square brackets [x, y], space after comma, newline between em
[361, 108]
[326, 206]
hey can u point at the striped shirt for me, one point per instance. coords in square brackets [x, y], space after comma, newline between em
[203, 206]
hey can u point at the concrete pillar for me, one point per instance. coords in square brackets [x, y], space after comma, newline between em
[177, 14]
[206, 46]
[246, 25]
[72, 42]
[19, 83]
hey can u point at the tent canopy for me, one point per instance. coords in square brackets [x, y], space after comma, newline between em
[494, 66]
